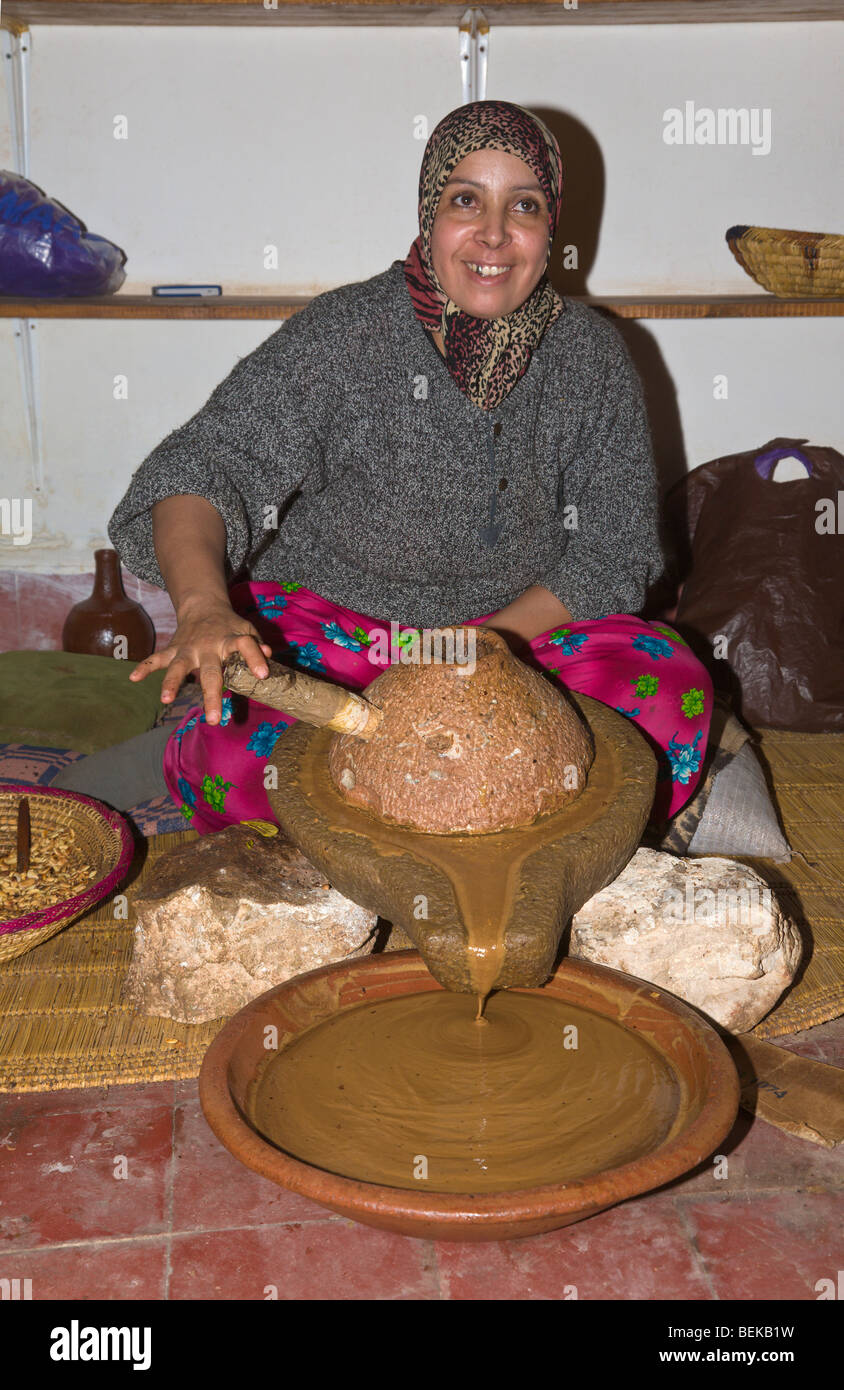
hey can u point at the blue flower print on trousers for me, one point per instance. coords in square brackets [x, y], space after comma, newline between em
[684, 758]
[263, 739]
[181, 732]
[335, 633]
[187, 791]
[654, 646]
[270, 605]
[629, 713]
[569, 642]
[225, 716]
[309, 656]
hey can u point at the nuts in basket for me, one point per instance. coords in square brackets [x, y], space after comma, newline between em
[57, 871]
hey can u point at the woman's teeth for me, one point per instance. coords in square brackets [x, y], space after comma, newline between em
[488, 272]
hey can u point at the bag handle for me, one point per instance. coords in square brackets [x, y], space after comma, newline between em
[764, 463]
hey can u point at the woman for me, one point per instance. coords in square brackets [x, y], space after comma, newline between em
[447, 442]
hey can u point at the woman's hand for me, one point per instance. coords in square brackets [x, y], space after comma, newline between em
[208, 631]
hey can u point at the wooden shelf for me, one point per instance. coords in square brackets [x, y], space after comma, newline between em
[143, 306]
[17, 13]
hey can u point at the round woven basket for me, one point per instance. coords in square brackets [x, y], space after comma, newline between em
[104, 842]
[790, 264]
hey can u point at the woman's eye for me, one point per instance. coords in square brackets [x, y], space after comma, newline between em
[533, 206]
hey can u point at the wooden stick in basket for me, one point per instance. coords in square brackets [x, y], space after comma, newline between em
[24, 844]
[304, 697]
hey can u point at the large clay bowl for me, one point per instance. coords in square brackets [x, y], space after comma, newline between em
[561, 861]
[706, 1076]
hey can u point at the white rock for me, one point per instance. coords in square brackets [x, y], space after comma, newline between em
[230, 915]
[708, 930]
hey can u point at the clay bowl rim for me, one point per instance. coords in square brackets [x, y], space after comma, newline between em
[672, 1159]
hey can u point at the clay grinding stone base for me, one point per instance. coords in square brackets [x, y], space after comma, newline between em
[568, 856]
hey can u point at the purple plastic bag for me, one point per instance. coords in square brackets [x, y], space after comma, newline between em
[45, 252]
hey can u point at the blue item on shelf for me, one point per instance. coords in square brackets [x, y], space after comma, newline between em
[46, 252]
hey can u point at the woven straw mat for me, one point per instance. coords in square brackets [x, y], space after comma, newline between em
[62, 1024]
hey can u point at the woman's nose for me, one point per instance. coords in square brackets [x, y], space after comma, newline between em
[493, 228]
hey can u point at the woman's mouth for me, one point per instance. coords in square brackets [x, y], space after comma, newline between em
[487, 274]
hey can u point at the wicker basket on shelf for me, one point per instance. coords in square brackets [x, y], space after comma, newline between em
[102, 841]
[790, 264]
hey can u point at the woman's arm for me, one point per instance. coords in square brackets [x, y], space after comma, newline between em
[245, 452]
[190, 545]
[534, 611]
[189, 536]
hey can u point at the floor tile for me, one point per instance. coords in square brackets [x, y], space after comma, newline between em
[212, 1190]
[332, 1260]
[759, 1157]
[186, 1088]
[769, 1245]
[62, 1175]
[17, 1105]
[639, 1250]
[130, 1269]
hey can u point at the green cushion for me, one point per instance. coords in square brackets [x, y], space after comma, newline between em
[66, 700]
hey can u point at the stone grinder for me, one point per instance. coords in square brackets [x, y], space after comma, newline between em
[478, 809]
[472, 803]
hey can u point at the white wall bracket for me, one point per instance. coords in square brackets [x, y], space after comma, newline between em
[474, 49]
[17, 44]
[25, 341]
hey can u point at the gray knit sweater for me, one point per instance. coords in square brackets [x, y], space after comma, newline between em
[342, 454]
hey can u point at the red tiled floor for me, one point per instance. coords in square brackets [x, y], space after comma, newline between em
[19, 1105]
[60, 1172]
[130, 1269]
[760, 1157]
[333, 1259]
[769, 1230]
[212, 1190]
[769, 1245]
[639, 1250]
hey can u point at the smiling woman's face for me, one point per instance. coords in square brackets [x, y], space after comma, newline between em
[492, 212]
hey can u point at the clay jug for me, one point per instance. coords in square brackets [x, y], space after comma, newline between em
[95, 625]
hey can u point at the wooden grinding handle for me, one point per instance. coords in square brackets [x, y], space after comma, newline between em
[304, 697]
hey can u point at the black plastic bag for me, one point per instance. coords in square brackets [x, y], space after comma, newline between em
[763, 563]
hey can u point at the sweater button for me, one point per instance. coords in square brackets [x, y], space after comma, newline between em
[502, 485]
[496, 429]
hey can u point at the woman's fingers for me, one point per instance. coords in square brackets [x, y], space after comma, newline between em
[211, 680]
[176, 672]
[195, 648]
[152, 663]
[253, 651]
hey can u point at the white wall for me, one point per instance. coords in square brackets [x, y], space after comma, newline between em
[305, 138]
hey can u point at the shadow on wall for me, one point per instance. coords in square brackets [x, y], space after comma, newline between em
[581, 212]
[580, 225]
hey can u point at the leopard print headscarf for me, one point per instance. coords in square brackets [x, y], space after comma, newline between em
[486, 357]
